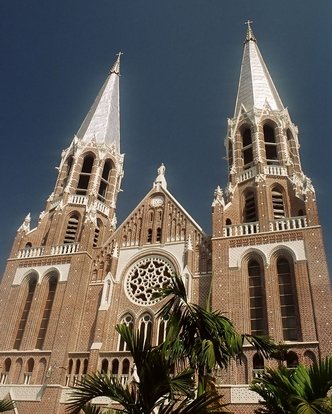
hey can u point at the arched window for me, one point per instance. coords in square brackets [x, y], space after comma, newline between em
[26, 310]
[271, 151]
[230, 154]
[277, 203]
[85, 366]
[162, 331]
[250, 213]
[104, 181]
[258, 319]
[71, 230]
[292, 360]
[247, 152]
[309, 358]
[289, 312]
[158, 237]
[28, 371]
[104, 366]
[96, 235]
[149, 238]
[52, 284]
[85, 175]
[258, 365]
[145, 329]
[70, 367]
[125, 371]
[18, 371]
[129, 321]
[5, 371]
[115, 368]
[41, 371]
[78, 366]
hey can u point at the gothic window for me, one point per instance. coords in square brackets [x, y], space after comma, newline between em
[115, 368]
[52, 284]
[96, 235]
[162, 331]
[125, 367]
[71, 230]
[5, 372]
[289, 311]
[85, 175]
[149, 238]
[292, 360]
[85, 366]
[277, 203]
[129, 321]
[258, 365]
[28, 371]
[230, 154]
[104, 366]
[145, 329]
[250, 213]
[271, 151]
[258, 318]
[158, 237]
[247, 152]
[105, 181]
[26, 310]
[145, 276]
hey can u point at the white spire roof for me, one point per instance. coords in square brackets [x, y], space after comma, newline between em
[102, 122]
[256, 88]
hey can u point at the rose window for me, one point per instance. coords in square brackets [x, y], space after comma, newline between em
[146, 276]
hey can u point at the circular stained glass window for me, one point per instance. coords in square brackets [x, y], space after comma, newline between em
[146, 276]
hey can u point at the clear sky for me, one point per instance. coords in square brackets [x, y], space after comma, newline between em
[180, 71]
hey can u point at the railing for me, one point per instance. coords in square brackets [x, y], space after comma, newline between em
[241, 229]
[27, 378]
[65, 249]
[3, 377]
[246, 174]
[257, 373]
[102, 208]
[275, 170]
[55, 203]
[30, 252]
[78, 199]
[291, 223]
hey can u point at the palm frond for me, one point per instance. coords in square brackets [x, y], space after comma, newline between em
[6, 405]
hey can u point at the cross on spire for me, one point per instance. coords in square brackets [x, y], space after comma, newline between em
[116, 66]
[250, 34]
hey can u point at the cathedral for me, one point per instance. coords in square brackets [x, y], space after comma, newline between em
[76, 275]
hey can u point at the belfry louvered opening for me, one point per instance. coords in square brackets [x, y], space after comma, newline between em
[278, 204]
[71, 230]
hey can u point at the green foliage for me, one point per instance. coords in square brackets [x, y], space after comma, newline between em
[303, 390]
[6, 405]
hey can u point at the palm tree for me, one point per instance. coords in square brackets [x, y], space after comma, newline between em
[203, 338]
[153, 389]
[303, 390]
[6, 405]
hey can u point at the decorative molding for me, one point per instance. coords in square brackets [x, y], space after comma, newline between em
[41, 271]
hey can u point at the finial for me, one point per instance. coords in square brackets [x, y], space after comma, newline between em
[116, 67]
[250, 34]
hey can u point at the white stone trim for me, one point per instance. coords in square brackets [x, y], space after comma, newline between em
[236, 254]
[41, 271]
[22, 392]
[241, 394]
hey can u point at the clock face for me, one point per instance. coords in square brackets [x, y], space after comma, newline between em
[157, 201]
[146, 276]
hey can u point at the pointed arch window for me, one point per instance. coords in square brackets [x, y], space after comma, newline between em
[104, 366]
[28, 371]
[85, 175]
[247, 151]
[26, 310]
[115, 368]
[129, 321]
[158, 236]
[271, 150]
[250, 213]
[288, 304]
[277, 203]
[258, 365]
[162, 331]
[149, 238]
[68, 168]
[5, 373]
[71, 230]
[52, 285]
[105, 181]
[258, 319]
[145, 329]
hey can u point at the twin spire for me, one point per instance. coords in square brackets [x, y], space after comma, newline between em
[256, 88]
[102, 122]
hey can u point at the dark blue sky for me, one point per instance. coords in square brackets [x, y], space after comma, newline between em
[179, 79]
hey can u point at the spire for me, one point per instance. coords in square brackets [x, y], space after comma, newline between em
[256, 88]
[102, 122]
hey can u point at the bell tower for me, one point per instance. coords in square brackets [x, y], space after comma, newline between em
[269, 267]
